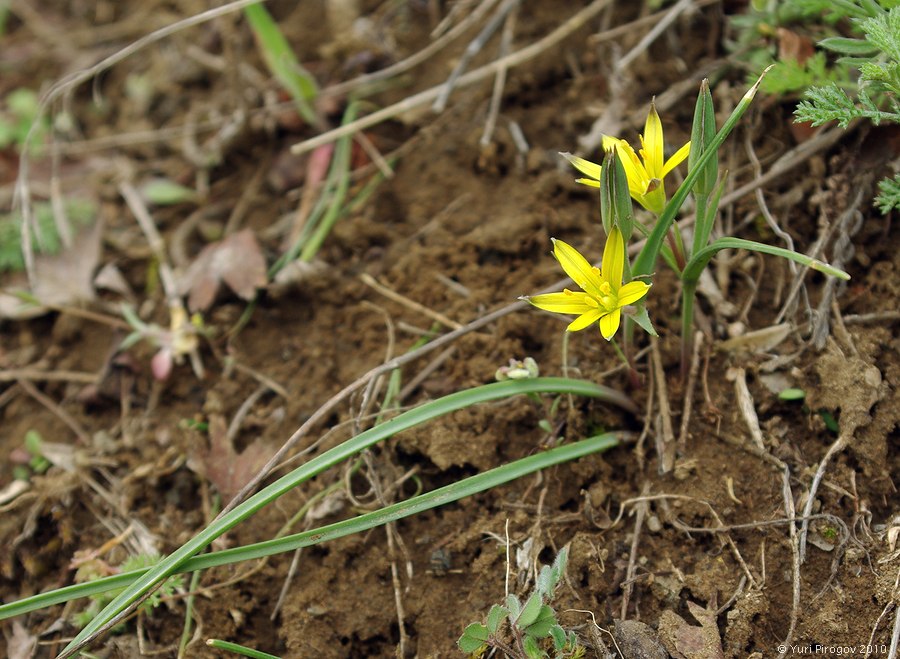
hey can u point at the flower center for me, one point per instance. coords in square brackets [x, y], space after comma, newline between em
[608, 299]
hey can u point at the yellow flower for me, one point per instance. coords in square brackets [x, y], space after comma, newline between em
[646, 174]
[603, 294]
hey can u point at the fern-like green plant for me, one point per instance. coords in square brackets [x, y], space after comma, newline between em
[876, 55]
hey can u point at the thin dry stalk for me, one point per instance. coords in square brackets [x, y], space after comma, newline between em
[371, 282]
[628, 584]
[474, 47]
[506, 38]
[654, 34]
[665, 441]
[55, 409]
[746, 406]
[795, 559]
[839, 445]
[689, 394]
[422, 98]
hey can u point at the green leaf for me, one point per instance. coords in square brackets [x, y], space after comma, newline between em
[532, 649]
[558, 634]
[792, 394]
[514, 605]
[844, 46]
[559, 564]
[545, 581]
[474, 636]
[496, 615]
[242, 650]
[530, 611]
[699, 260]
[282, 61]
[441, 496]
[163, 192]
[642, 318]
[542, 624]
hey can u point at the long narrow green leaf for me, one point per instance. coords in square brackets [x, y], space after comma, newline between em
[282, 61]
[444, 495]
[340, 169]
[336, 455]
[695, 266]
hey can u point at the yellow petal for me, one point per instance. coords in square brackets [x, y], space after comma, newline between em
[676, 159]
[570, 302]
[586, 167]
[588, 181]
[653, 144]
[585, 320]
[577, 267]
[632, 292]
[613, 259]
[610, 323]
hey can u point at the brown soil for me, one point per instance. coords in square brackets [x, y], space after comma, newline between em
[460, 230]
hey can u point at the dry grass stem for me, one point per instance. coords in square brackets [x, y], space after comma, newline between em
[371, 282]
[665, 440]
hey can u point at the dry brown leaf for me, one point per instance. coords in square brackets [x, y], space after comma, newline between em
[62, 279]
[684, 641]
[224, 467]
[237, 260]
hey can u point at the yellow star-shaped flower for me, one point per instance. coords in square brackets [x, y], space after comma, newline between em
[603, 294]
[646, 175]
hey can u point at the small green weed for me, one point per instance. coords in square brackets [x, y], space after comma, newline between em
[46, 240]
[17, 119]
[523, 630]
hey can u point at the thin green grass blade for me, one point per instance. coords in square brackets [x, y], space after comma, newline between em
[166, 567]
[239, 649]
[442, 496]
[695, 267]
[341, 167]
[282, 61]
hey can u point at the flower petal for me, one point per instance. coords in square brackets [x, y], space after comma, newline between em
[676, 159]
[586, 167]
[577, 267]
[613, 259]
[585, 320]
[653, 144]
[565, 302]
[632, 292]
[610, 323]
[588, 181]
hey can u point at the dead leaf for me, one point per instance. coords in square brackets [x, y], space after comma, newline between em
[684, 641]
[62, 279]
[224, 467]
[237, 260]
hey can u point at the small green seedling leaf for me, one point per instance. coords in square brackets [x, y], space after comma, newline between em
[558, 634]
[514, 605]
[642, 318]
[530, 611]
[559, 565]
[791, 394]
[474, 636]
[830, 422]
[496, 615]
[544, 622]
[532, 649]
[545, 582]
[164, 192]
